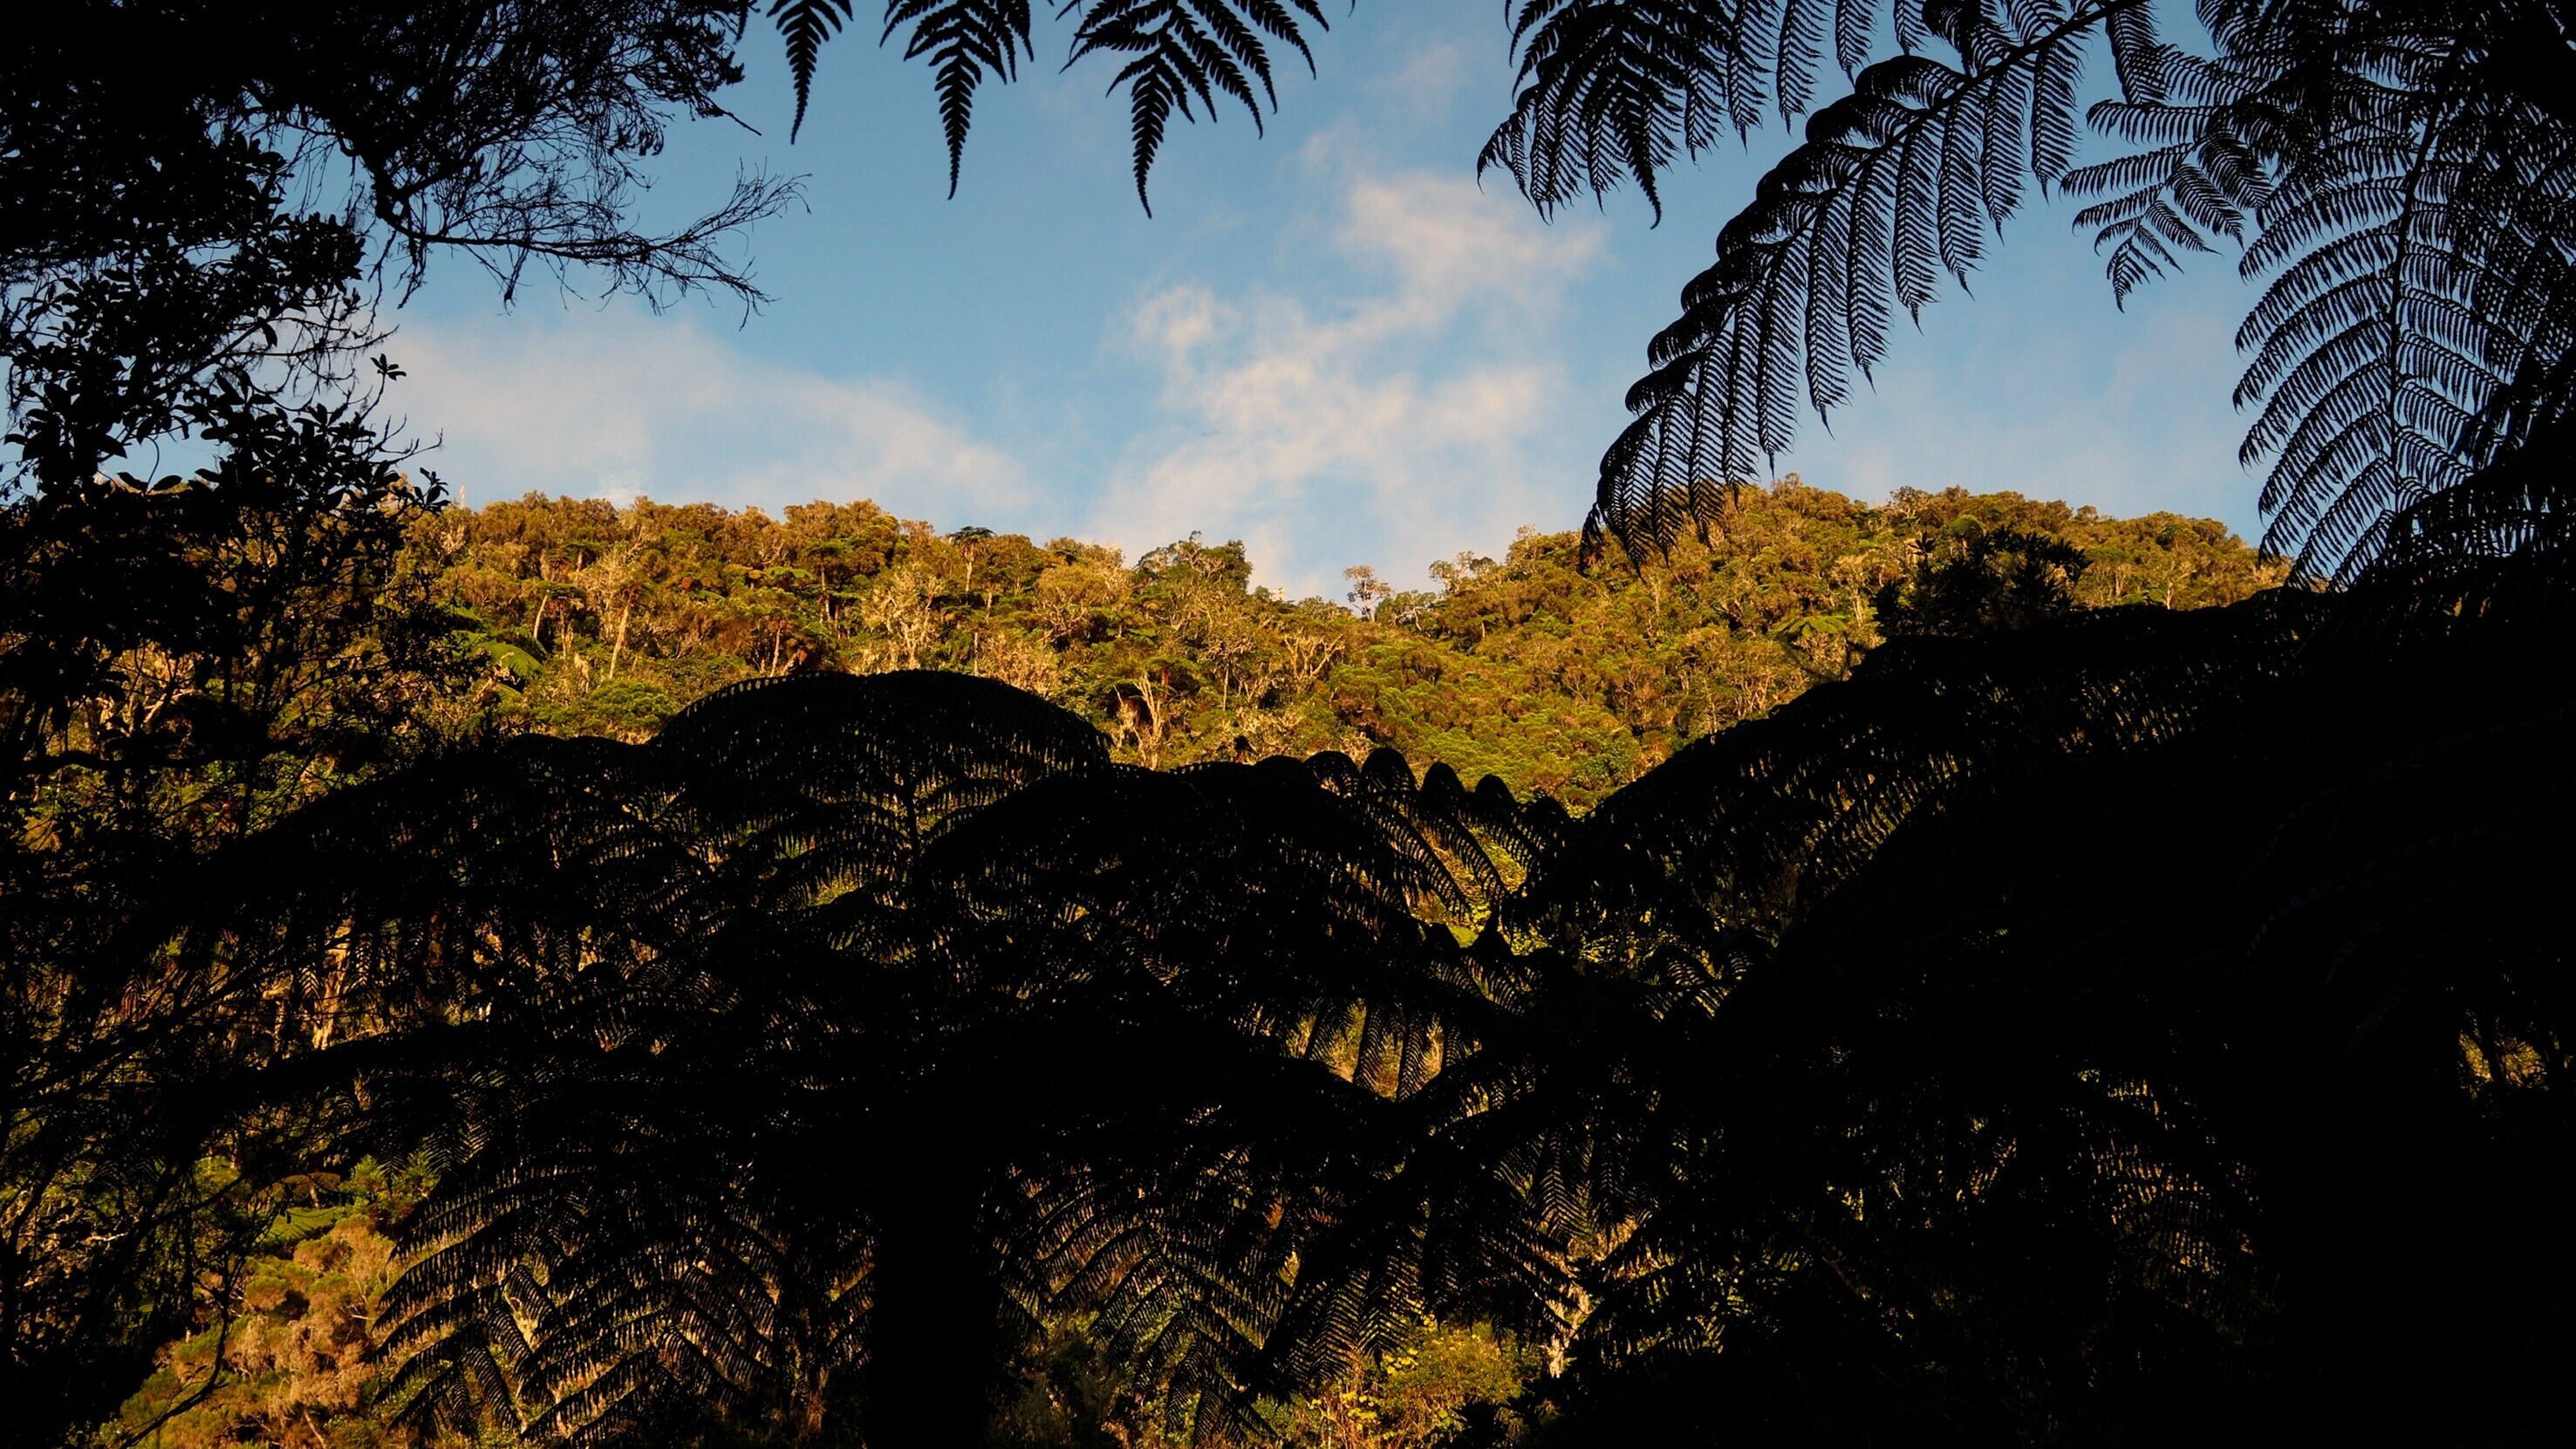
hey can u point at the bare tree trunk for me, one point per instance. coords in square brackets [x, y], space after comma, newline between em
[619, 647]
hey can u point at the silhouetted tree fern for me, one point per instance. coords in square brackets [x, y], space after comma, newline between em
[1854, 1073]
[782, 1067]
[1940, 1110]
[2394, 172]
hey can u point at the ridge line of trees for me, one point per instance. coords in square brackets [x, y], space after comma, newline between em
[594, 619]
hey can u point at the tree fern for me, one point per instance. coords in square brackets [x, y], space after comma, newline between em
[1614, 89]
[966, 40]
[780, 1065]
[2076, 1110]
[2397, 175]
[1896, 185]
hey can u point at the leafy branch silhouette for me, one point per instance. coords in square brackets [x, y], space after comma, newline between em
[2389, 169]
[1175, 55]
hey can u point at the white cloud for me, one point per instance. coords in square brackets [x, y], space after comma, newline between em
[1421, 417]
[1429, 81]
[620, 404]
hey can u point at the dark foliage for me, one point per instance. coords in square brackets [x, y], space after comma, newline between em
[784, 1067]
[1173, 55]
[199, 208]
[1967, 1119]
[1926, 1061]
[1985, 582]
[1853, 1074]
[2395, 173]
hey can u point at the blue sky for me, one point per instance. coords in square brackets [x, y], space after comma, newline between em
[1329, 341]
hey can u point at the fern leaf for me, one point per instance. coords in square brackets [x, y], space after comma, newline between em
[966, 41]
[1184, 54]
[1895, 184]
[1612, 91]
[805, 25]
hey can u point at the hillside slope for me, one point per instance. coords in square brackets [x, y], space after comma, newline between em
[596, 619]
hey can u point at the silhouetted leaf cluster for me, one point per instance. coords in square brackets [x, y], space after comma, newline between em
[2391, 171]
[1173, 55]
[1853, 1072]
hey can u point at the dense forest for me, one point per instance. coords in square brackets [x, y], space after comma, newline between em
[1551, 675]
[1764, 969]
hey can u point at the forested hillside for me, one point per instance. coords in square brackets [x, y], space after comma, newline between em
[591, 619]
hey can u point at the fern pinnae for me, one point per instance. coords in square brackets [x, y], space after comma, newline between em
[1748, 78]
[1828, 321]
[1779, 386]
[1915, 244]
[2030, 17]
[1800, 45]
[1913, 32]
[1230, 37]
[804, 25]
[1184, 54]
[2328, 415]
[2056, 69]
[1963, 197]
[2210, 212]
[2141, 61]
[1998, 163]
[1871, 253]
[966, 40]
[1894, 138]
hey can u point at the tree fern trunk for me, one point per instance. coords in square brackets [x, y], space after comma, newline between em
[932, 1340]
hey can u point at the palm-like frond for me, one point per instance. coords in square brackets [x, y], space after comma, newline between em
[785, 1051]
[2497, 542]
[804, 25]
[1183, 53]
[966, 41]
[1895, 185]
[1468, 850]
[1617, 90]
[1759, 824]
[2419, 279]
[1613, 89]
[2076, 1105]
[2399, 173]
[1189, 56]
[2206, 169]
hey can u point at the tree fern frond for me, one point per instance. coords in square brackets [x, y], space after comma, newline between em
[966, 40]
[2389, 164]
[1798, 45]
[1160, 1034]
[1614, 90]
[1180, 54]
[1185, 53]
[1895, 185]
[2335, 356]
[804, 25]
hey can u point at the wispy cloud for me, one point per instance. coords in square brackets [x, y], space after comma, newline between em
[621, 404]
[1429, 80]
[1420, 416]
[1391, 398]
